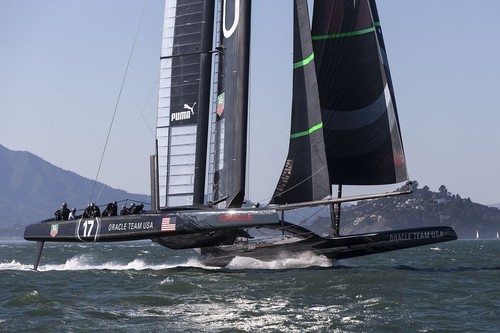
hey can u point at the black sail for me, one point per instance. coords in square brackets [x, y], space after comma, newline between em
[305, 174]
[232, 103]
[184, 101]
[361, 127]
[380, 39]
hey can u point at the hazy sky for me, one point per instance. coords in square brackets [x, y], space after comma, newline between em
[62, 63]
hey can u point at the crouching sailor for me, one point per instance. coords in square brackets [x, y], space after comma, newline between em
[111, 209]
[72, 214]
[62, 213]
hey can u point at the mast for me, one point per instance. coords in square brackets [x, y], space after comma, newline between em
[335, 210]
[232, 103]
[184, 101]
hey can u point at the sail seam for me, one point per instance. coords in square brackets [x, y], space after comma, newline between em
[304, 62]
[309, 131]
[347, 34]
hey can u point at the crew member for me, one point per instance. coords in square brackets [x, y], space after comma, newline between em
[64, 211]
[124, 210]
[87, 212]
[72, 214]
[96, 212]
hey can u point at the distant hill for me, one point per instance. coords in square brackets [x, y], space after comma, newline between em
[421, 208]
[32, 189]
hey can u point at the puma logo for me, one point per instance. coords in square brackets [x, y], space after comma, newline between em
[190, 108]
[183, 115]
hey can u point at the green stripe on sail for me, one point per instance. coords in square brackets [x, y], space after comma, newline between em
[309, 131]
[303, 62]
[348, 34]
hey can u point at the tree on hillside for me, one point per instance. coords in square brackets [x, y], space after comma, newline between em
[443, 190]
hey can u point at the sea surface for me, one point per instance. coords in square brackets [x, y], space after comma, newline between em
[143, 287]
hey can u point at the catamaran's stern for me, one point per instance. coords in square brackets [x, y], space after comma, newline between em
[334, 248]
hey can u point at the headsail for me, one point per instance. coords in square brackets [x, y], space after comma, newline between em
[305, 174]
[184, 101]
[232, 103]
[361, 127]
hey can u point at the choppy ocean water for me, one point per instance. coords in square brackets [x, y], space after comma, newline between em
[140, 286]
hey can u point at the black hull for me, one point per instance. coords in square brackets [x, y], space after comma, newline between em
[149, 226]
[180, 229]
[341, 247]
[215, 231]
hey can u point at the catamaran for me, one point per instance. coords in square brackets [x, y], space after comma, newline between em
[344, 131]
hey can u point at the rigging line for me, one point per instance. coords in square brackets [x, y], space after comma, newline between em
[298, 184]
[117, 103]
[374, 210]
[143, 108]
[147, 124]
[305, 218]
[155, 88]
